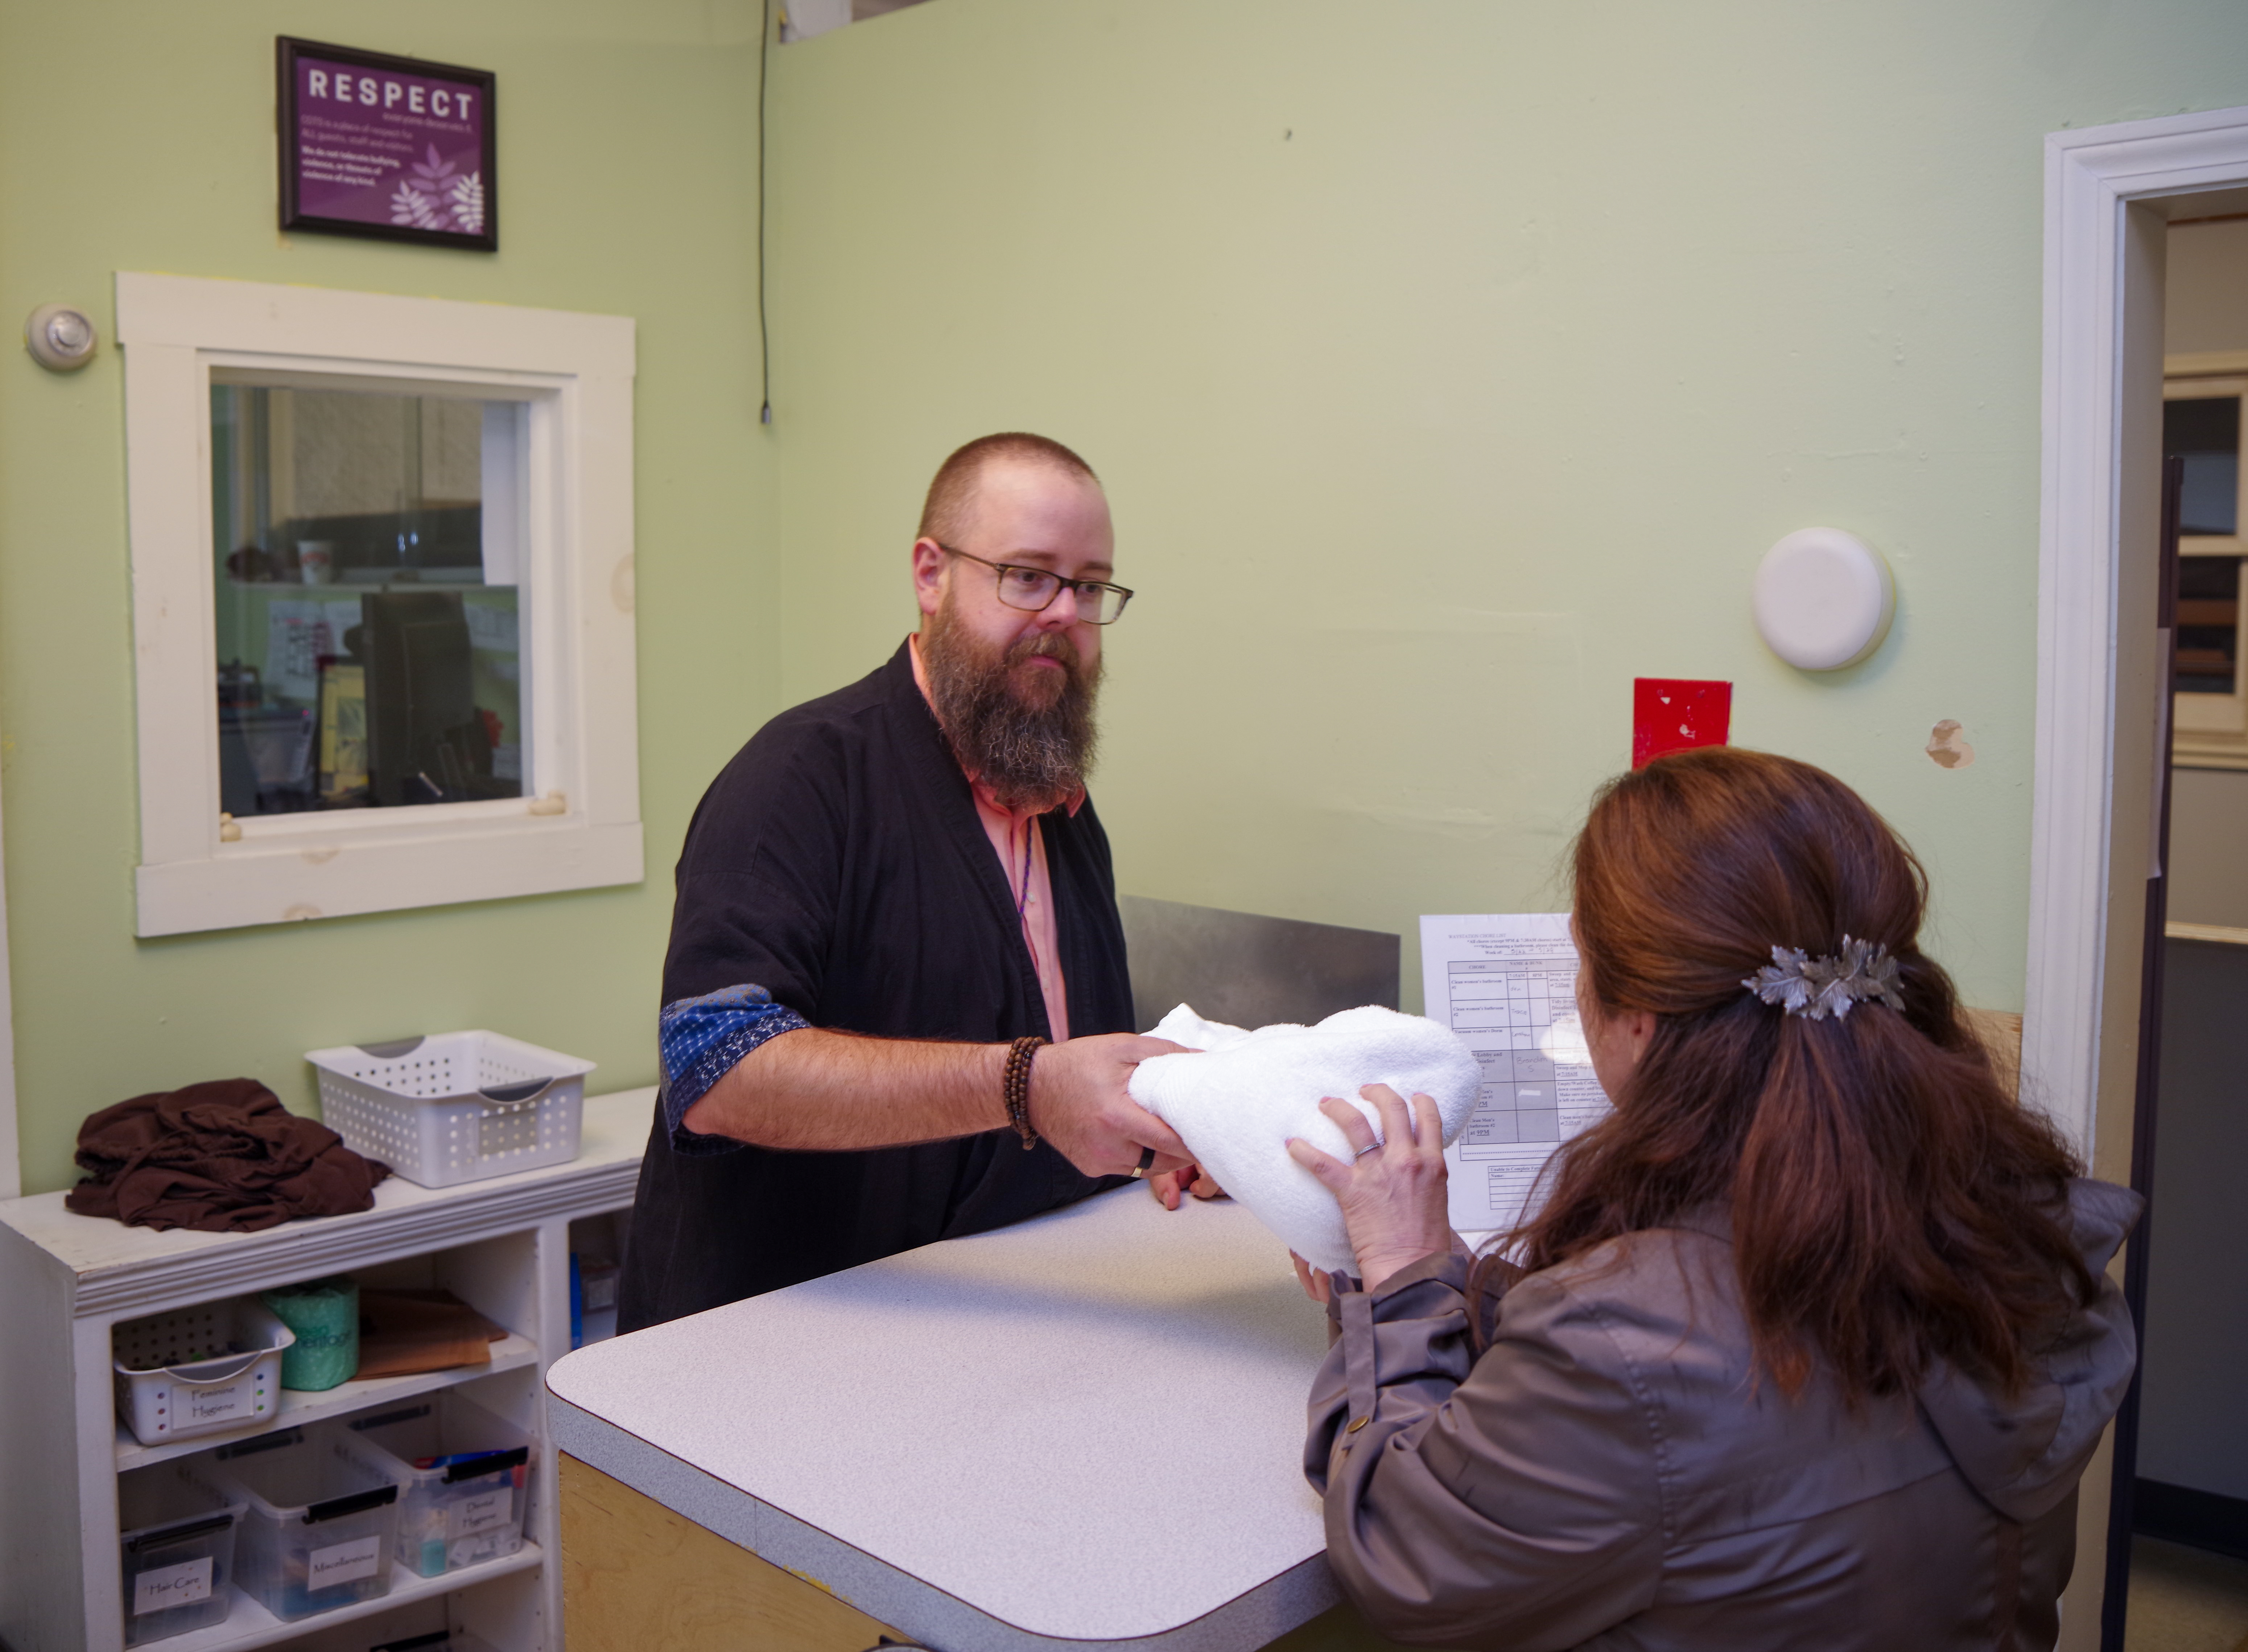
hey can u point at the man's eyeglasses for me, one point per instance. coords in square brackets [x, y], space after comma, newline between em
[1034, 590]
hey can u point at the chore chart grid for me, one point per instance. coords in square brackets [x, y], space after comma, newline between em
[1506, 983]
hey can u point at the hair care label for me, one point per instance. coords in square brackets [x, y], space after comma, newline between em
[165, 1587]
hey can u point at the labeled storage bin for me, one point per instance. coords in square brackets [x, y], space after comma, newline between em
[454, 1106]
[317, 1529]
[197, 1370]
[463, 1477]
[178, 1553]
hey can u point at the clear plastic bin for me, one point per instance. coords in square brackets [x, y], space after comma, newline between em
[178, 1553]
[317, 1531]
[458, 1513]
[197, 1370]
[454, 1106]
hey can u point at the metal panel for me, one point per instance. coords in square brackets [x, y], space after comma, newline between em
[1250, 970]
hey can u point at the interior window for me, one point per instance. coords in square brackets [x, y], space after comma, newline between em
[2209, 625]
[2204, 431]
[368, 557]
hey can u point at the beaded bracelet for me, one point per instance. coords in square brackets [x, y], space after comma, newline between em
[1016, 1086]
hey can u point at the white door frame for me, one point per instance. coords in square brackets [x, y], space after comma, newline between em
[2099, 703]
[2097, 699]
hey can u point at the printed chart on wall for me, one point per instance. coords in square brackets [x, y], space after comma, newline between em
[1506, 985]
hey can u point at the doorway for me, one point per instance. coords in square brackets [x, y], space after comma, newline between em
[2185, 1584]
[2116, 1012]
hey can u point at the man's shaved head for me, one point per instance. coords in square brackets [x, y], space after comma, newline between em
[951, 503]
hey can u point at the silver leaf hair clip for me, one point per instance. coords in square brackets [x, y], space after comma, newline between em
[1816, 988]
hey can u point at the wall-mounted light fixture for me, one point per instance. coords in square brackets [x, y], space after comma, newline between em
[59, 338]
[1823, 599]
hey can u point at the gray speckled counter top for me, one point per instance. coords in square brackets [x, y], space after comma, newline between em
[1084, 1429]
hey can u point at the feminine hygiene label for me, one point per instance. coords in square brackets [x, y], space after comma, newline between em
[170, 1586]
[214, 1400]
[344, 1562]
[472, 1515]
[1506, 985]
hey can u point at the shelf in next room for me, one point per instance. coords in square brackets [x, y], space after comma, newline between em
[250, 1625]
[510, 1353]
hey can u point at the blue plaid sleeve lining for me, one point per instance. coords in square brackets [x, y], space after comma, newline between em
[701, 1039]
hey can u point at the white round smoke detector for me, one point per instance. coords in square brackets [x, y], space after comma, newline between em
[1823, 599]
[59, 338]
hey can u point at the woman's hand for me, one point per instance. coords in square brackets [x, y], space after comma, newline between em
[1392, 1195]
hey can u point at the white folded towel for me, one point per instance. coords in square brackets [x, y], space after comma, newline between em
[1237, 1106]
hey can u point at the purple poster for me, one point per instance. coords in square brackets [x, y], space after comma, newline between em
[388, 147]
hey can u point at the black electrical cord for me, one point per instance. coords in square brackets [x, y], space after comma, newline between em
[765, 344]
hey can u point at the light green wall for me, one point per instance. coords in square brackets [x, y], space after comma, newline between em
[1450, 363]
[137, 134]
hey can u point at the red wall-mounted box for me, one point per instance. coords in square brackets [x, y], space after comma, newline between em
[1676, 714]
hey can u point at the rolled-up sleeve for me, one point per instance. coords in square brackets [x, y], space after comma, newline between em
[701, 1039]
[1511, 1499]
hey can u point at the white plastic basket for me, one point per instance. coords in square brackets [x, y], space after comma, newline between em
[454, 1106]
[197, 1370]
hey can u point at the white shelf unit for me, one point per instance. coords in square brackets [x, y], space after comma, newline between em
[66, 1281]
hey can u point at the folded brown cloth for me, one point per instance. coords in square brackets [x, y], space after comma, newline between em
[404, 1331]
[225, 1157]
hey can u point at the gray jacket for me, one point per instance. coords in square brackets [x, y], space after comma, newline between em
[1611, 1475]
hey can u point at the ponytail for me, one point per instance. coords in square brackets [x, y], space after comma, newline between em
[1890, 1206]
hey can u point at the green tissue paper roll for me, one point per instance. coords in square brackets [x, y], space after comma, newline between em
[325, 1316]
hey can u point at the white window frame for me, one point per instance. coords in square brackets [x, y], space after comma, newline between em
[582, 829]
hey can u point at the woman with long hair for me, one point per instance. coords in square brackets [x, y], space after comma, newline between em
[1809, 1340]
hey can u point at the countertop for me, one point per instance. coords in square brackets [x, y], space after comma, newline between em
[1087, 1427]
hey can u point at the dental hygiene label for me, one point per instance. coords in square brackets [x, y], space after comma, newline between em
[1506, 985]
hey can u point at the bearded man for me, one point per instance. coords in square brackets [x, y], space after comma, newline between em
[888, 903]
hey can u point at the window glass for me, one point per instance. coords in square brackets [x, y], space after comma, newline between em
[2204, 431]
[367, 569]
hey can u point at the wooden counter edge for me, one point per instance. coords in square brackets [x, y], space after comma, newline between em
[637, 1576]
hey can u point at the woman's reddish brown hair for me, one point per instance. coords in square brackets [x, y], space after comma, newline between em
[1891, 1205]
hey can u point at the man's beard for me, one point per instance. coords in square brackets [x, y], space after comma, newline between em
[1025, 731]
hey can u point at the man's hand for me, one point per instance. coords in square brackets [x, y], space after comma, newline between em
[1078, 1103]
[1168, 1186]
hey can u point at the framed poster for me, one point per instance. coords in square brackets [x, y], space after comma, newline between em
[394, 149]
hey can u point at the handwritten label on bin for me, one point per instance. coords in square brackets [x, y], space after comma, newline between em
[218, 1399]
[165, 1587]
[344, 1563]
[470, 1515]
